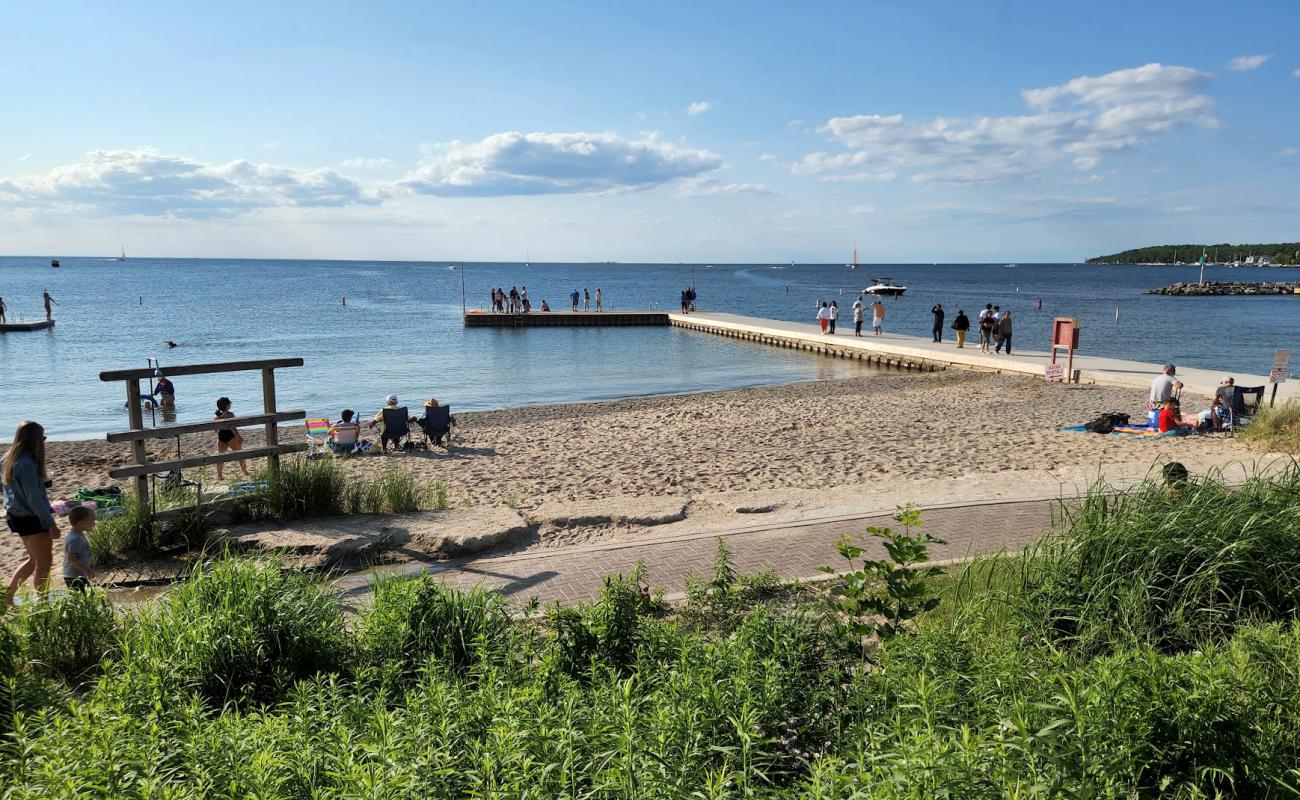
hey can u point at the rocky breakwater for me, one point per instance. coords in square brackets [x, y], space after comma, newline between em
[1210, 289]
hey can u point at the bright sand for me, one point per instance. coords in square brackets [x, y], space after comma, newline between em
[795, 450]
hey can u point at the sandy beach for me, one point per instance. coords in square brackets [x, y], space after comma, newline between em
[794, 449]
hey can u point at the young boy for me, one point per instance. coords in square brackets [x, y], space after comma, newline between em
[77, 572]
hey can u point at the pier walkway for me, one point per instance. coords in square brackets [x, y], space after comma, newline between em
[916, 352]
[18, 326]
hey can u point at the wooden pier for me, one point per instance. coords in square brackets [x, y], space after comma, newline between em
[27, 325]
[566, 319]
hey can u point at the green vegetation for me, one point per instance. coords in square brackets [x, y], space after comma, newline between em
[1280, 254]
[1148, 648]
[1275, 428]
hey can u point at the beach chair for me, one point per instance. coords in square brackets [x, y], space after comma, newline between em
[318, 436]
[436, 424]
[397, 426]
[1246, 402]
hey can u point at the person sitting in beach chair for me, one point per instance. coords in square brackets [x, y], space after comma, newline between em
[396, 422]
[436, 423]
[345, 435]
[1246, 402]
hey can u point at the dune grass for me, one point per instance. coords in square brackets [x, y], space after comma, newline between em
[1140, 652]
[1275, 428]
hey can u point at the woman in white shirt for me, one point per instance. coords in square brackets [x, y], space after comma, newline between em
[823, 316]
[835, 315]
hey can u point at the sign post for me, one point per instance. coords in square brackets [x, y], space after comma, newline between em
[1280, 372]
[1065, 336]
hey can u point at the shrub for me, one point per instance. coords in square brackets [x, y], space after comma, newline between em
[1169, 567]
[237, 631]
[301, 487]
[607, 633]
[394, 492]
[416, 620]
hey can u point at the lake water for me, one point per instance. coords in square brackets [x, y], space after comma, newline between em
[401, 331]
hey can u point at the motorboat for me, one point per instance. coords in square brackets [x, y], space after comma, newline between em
[54, 262]
[883, 287]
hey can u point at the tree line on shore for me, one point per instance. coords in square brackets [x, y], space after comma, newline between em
[1278, 254]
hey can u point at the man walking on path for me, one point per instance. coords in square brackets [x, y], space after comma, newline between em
[857, 317]
[878, 316]
[937, 311]
[1004, 331]
[48, 301]
[961, 324]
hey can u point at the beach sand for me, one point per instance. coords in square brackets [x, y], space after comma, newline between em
[798, 449]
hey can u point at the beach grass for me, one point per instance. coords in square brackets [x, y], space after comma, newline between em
[1139, 652]
[1275, 428]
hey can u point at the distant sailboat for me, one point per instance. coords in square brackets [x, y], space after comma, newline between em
[123, 256]
[854, 263]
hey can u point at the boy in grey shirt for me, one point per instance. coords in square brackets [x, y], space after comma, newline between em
[77, 572]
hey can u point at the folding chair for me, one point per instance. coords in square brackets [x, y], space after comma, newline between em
[436, 424]
[1246, 402]
[318, 436]
[397, 426]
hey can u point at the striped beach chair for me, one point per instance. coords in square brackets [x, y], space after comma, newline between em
[318, 436]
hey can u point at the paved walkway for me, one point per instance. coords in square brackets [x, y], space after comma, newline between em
[1093, 369]
[575, 574]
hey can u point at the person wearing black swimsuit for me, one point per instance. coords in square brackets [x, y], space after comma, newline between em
[228, 438]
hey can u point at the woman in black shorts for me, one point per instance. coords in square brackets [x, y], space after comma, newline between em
[27, 507]
[228, 438]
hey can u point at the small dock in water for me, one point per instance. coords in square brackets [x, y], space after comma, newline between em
[26, 325]
[565, 319]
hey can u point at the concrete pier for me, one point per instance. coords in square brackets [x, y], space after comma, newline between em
[26, 325]
[550, 319]
[914, 352]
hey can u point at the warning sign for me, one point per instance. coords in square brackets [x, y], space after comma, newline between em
[1054, 372]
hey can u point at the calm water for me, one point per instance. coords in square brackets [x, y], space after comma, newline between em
[400, 331]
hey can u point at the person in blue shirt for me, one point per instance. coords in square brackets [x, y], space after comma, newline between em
[27, 507]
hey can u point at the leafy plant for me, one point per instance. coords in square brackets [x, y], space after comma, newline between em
[882, 597]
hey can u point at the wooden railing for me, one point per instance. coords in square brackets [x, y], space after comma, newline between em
[138, 434]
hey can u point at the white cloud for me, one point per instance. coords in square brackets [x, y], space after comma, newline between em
[23, 157]
[1295, 73]
[699, 107]
[862, 211]
[1078, 122]
[707, 186]
[1247, 63]
[147, 182]
[794, 124]
[555, 163]
[367, 163]
[1287, 152]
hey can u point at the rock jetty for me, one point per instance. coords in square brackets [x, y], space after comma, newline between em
[1210, 289]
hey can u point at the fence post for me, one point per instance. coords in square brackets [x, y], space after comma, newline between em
[137, 447]
[268, 407]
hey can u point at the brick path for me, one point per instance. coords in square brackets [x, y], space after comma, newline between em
[574, 574]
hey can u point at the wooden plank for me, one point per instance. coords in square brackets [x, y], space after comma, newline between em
[203, 461]
[268, 406]
[200, 369]
[199, 427]
[135, 418]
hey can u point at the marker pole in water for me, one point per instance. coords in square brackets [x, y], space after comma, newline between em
[1117, 315]
[1040, 304]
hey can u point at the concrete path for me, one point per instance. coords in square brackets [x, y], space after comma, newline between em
[576, 574]
[1094, 369]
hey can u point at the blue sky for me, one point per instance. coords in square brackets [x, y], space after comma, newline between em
[664, 131]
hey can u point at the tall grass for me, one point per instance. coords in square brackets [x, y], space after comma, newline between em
[1275, 428]
[245, 683]
[1169, 567]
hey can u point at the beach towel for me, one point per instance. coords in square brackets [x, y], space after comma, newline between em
[1126, 431]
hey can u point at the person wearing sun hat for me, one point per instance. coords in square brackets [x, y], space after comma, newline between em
[390, 402]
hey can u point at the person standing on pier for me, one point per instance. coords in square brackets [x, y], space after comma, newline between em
[835, 315]
[878, 316]
[960, 325]
[586, 299]
[857, 317]
[823, 316]
[573, 300]
[48, 300]
[598, 306]
[523, 298]
[937, 311]
[2, 311]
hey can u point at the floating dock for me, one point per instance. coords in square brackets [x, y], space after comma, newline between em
[566, 319]
[21, 325]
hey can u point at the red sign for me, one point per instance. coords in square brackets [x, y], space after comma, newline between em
[1065, 333]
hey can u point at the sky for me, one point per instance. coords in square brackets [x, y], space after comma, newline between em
[653, 132]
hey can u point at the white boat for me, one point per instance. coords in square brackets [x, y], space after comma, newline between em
[451, 267]
[882, 287]
[121, 257]
[854, 263]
